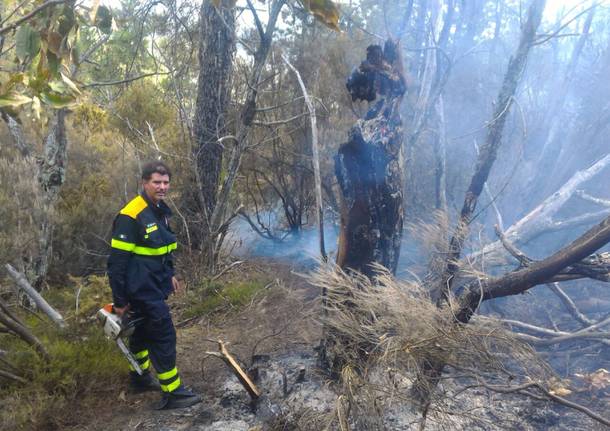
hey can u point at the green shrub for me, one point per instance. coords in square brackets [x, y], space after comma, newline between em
[84, 366]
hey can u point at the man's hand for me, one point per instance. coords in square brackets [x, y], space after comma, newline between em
[119, 311]
[176, 286]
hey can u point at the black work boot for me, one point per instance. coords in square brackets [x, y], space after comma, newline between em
[178, 399]
[145, 382]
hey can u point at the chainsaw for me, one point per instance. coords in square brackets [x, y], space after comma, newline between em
[117, 328]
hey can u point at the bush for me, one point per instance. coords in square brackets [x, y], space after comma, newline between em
[84, 366]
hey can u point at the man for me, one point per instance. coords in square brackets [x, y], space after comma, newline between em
[141, 273]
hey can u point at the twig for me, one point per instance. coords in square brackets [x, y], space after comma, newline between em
[514, 251]
[30, 15]
[124, 81]
[11, 376]
[536, 385]
[226, 269]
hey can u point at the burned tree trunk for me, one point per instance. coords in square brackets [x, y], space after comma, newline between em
[369, 166]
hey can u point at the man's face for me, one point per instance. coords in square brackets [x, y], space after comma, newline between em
[156, 187]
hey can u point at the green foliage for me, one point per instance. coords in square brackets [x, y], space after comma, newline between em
[83, 365]
[213, 297]
[27, 42]
[44, 51]
[142, 104]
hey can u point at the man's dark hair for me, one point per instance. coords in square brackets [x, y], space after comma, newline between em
[155, 167]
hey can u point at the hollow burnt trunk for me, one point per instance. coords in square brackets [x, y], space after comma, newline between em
[369, 166]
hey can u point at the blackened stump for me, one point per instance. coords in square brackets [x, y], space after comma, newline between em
[369, 166]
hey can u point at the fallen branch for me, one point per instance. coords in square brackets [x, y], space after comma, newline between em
[596, 266]
[24, 285]
[540, 219]
[241, 375]
[22, 331]
[11, 376]
[521, 389]
[569, 304]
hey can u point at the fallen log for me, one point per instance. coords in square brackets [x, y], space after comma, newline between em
[40, 302]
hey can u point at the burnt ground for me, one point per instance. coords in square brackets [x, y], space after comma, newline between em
[274, 335]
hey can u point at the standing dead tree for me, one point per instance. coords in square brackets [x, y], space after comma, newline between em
[369, 166]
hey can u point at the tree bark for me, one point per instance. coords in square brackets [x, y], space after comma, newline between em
[51, 176]
[369, 167]
[216, 48]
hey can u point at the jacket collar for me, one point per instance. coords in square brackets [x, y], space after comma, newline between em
[160, 209]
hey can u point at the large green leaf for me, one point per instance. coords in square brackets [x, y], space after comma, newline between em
[71, 85]
[27, 42]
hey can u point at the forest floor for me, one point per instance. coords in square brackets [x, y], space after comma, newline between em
[275, 334]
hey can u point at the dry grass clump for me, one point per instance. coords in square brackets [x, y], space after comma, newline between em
[382, 334]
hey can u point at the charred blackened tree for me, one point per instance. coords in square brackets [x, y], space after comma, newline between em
[369, 166]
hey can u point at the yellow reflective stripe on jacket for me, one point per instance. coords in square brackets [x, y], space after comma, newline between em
[144, 251]
[172, 386]
[142, 354]
[145, 365]
[168, 374]
[148, 251]
[122, 245]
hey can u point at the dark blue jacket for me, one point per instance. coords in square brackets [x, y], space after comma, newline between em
[140, 266]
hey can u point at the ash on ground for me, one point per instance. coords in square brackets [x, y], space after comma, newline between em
[297, 397]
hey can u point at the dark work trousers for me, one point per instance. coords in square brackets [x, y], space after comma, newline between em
[156, 334]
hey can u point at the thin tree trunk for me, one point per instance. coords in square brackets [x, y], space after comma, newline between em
[51, 176]
[219, 220]
[440, 156]
[316, 158]
[489, 150]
